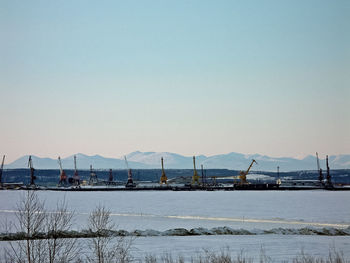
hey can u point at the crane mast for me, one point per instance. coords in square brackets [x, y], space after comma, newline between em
[76, 179]
[163, 178]
[195, 177]
[203, 176]
[320, 175]
[75, 165]
[60, 164]
[110, 177]
[1, 169]
[329, 178]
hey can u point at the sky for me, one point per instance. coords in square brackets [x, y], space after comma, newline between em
[186, 76]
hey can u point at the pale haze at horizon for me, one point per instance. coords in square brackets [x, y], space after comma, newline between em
[190, 77]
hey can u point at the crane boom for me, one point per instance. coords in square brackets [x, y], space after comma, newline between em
[126, 162]
[243, 175]
[250, 166]
[60, 163]
[318, 162]
[1, 169]
[2, 163]
[320, 175]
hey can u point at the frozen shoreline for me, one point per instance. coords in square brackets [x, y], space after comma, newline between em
[217, 231]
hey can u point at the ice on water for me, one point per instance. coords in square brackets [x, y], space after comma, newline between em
[249, 210]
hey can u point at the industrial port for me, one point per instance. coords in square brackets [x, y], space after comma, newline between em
[198, 181]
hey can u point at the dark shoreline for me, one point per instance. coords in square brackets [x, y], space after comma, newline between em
[326, 231]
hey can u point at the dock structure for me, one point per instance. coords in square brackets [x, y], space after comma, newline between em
[188, 187]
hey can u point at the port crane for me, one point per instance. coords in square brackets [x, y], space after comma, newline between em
[76, 178]
[319, 169]
[163, 178]
[195, 177]
[63, 176]
[32, 176]
[130, 182]
[93, 177]
[1, 169]
[243, 174]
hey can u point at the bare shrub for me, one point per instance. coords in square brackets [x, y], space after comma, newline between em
[59, 249]
[150, 259]
[334, 256]
[40, 231]
[209, 256]
[242, 258]
[106, 247]
[30, 217]
[263, 258]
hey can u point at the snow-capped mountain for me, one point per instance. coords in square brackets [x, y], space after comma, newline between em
[151, 160]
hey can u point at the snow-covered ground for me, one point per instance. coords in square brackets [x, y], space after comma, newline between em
[277, 247]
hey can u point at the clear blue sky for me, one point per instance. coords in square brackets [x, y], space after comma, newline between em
[191, 77]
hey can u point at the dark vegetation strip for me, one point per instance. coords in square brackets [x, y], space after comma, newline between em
[174, 232]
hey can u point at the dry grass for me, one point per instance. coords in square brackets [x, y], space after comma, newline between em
[225, 256]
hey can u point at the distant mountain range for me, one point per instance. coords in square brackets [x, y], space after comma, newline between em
[151, 160]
